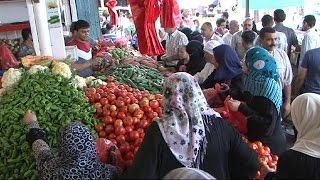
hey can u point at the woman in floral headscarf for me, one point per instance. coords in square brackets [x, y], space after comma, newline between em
[77, 157]
[192, 135]
[263, 99]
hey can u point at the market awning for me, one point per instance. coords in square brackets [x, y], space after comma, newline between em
[272, 4]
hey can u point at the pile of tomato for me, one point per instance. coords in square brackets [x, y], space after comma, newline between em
[124, 114]
[266, 158]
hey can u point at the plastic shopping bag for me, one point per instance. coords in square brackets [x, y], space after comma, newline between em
[7, 59]
[234, 118]
[109, 153]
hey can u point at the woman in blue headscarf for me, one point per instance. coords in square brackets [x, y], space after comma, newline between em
[263, 98]
[228, 67]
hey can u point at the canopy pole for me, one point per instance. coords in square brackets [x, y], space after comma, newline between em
[247, 9]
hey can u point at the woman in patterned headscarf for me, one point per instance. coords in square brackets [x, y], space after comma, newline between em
[77, 158]
[191, 134]
[263, 99]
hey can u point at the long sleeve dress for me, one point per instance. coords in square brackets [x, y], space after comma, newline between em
[227, 155]
[264, 122]
[296, 165]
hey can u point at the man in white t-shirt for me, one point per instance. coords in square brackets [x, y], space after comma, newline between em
[174, 42]
[233, 28]
[268, 39]
[209, 34]
[311, 39]
[282, 43]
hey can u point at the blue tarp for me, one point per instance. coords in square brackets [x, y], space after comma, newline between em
[272, 4]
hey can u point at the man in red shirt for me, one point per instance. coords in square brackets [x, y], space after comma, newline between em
[81, 38]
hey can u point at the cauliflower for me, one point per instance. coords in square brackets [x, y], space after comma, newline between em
[37, 68]
[89, 79]
[62, 69]
[79, 82]
[11, 78]
[96, 82]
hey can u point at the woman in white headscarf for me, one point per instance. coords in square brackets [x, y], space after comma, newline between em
[191, 134]
[302, 161]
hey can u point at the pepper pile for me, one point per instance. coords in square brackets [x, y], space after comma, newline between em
[55, 101]
[124, 114]
[139, 77]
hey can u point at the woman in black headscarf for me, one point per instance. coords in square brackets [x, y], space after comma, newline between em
[77, 158]
[193, 58]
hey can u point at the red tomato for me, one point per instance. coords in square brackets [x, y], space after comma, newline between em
[109, 129]
[134, 135]
[258, 143]
[111, 85]
[152, 115]
[143, 124]
[119, 103]
[159, 110]
[120, 131]
[127, 121]
[118, 123]
[140, 130]
[134, 100]
[275, 158]
[121, 115]
[97, 97]
[112, 136]
[138, 142]
[147, 109]
[99, 90]
[124, 109]
[138, 113]
[123, 93]
[154, 104]
[121, 86]
[127, 100]
[99, 111]
[129, 129]
[114, 114]
[129, 89]
[253, 146]
[138, 96]
[136, 150]
[267, 150]
[135, 120]
[129, 156]
[120, 139]
[111, 97]
[104, 101]
[106, 112]
[102, 134]
[124, 148]
[108, 120]
[92, 90]
[99, 127]
[142, 135]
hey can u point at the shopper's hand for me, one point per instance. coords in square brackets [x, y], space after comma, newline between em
[264, 170]
[96, 61]
[234, 104]
[183, 68]
[286, 109]
[29, 117]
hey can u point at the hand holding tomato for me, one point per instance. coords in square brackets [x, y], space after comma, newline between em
[264, 170]
[234, 104]
[29, 117]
